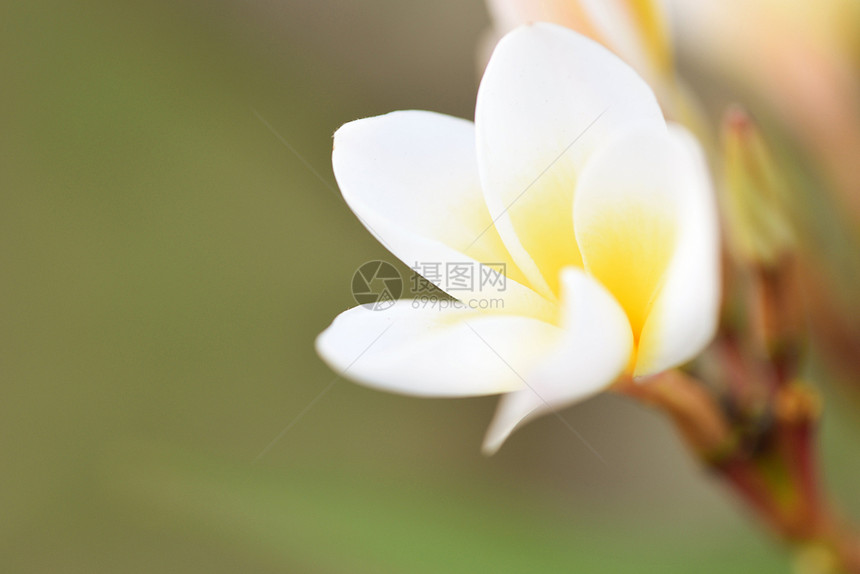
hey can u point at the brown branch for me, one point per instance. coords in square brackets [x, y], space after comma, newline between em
[775, 475]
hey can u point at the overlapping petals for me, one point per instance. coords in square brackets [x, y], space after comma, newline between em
[548, 100]
[602, 214]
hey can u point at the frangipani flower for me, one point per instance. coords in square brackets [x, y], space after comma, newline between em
[570, 176]
[636, 30]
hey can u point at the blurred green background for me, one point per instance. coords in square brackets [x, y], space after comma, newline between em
[167, 260]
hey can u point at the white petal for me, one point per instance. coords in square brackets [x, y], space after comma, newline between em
[549, 98]
[626, 216]
[426, 351]
[594, 350]
[411, 177]
[684, 317]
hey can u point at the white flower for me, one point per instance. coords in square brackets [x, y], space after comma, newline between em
[636, 30]
[602, 213]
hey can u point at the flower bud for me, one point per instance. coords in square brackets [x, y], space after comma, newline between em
[759, 229]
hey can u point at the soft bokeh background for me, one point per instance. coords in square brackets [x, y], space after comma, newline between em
[168, 255]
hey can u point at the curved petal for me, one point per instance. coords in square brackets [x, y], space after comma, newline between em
[684, 317]
[549, 98]
[411, 178]
[593, 351]
[422, 350]
[626, 218]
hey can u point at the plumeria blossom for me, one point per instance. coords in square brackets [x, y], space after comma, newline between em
[636, 30]
[602, 213]
[804, 70]
[640, 32]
